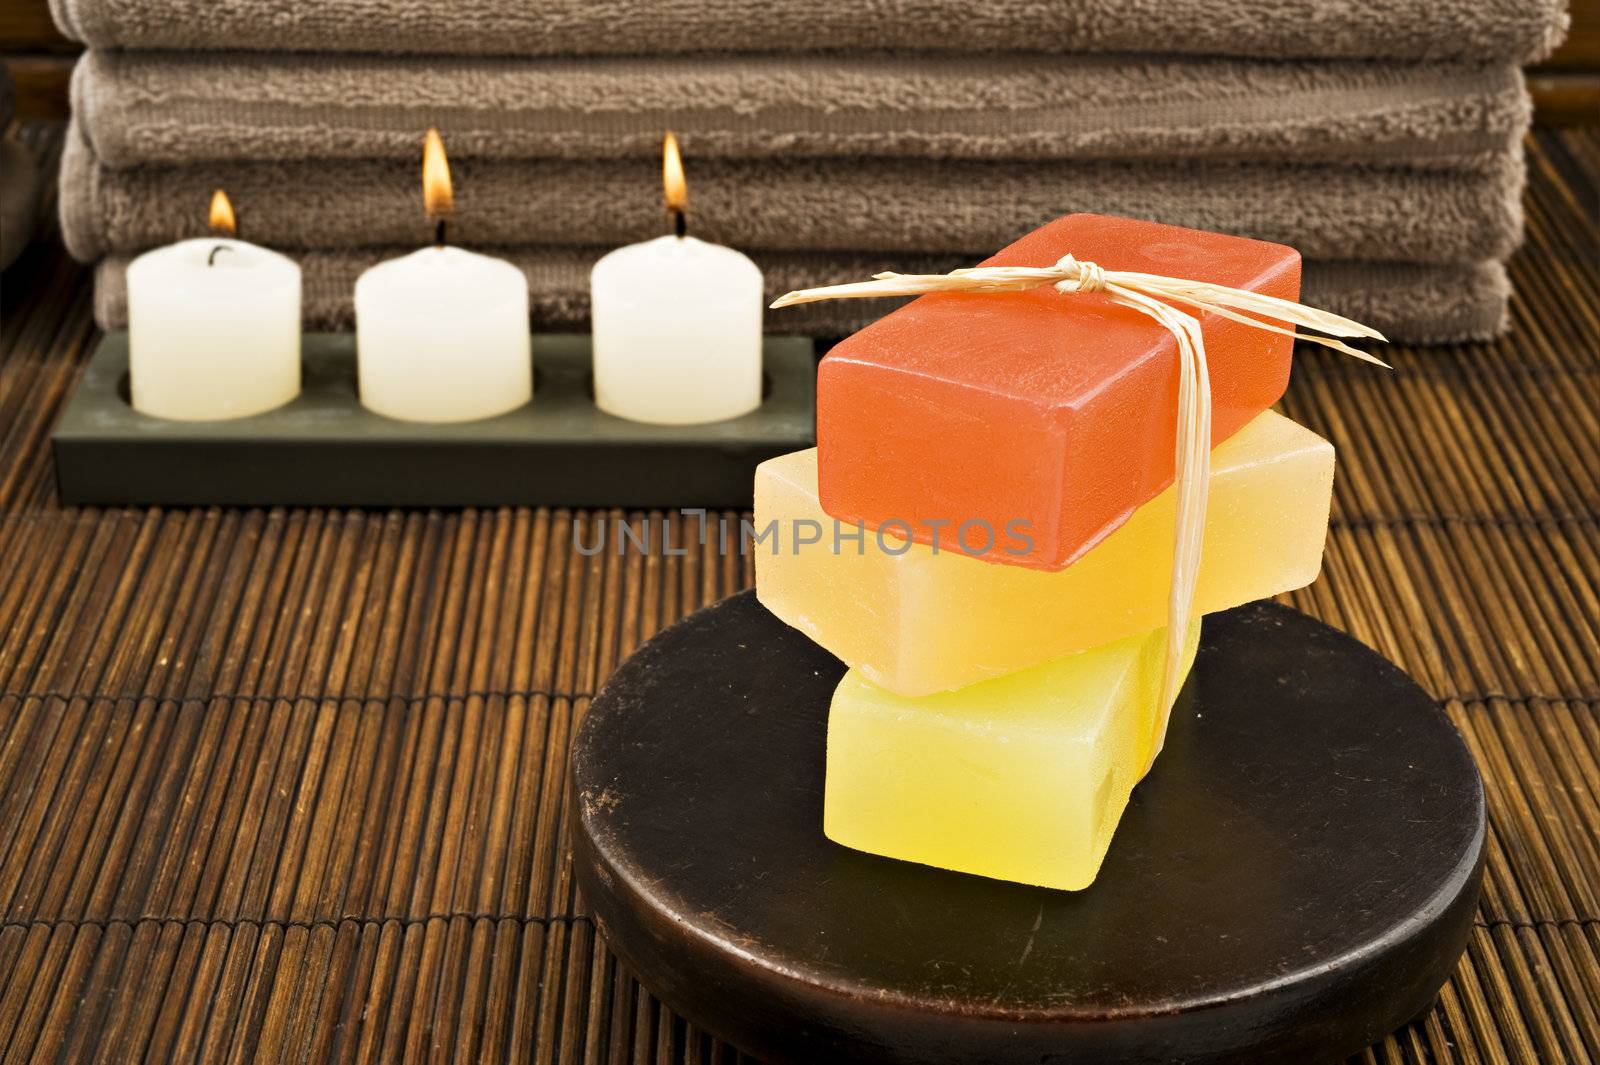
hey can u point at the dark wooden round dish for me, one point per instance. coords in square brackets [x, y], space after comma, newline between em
[1295, 878]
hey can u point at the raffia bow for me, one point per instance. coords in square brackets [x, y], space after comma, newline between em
[1154, 295]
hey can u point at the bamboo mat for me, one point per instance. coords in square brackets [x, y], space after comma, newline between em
[288, 784]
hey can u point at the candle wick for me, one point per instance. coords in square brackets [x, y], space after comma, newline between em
[680, 223]
[438, 233]
[211, 260]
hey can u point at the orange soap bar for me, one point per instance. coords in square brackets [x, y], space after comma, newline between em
[960, 415]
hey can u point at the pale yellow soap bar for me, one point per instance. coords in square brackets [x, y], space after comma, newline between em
[920, 622]
[1021, 778]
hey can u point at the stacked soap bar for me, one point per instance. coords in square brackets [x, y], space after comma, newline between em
[984, 534]
[1022, 778]
[918, 620]
[1051, 407]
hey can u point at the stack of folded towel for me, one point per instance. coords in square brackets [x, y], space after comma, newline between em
[828, 139]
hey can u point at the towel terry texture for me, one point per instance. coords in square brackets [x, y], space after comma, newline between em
[1512, 30]
[885, 205]
[170, 108]
[1410, 303]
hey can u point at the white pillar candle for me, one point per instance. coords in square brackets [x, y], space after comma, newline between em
[677, 332]
[442, 335]
[213, 330]
[677, 323]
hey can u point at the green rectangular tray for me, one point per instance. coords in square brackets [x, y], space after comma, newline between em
[325, 448]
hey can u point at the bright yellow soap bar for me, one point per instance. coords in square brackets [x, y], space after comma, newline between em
[1021, 778]
[920, 622]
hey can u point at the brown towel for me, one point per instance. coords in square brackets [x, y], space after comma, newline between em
[1409, 303]
[887, 205]
[169, 108]
[1514, 30]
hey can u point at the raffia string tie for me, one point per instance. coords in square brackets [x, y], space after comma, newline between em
[1091, 276]
[1160, 298]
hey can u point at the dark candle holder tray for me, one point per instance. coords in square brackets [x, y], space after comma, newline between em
[324, 448]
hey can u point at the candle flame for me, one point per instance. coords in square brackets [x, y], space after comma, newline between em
[438, 198]
[672, 180]
[222, 222]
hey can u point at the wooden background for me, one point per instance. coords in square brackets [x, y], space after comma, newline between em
[288, 785]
